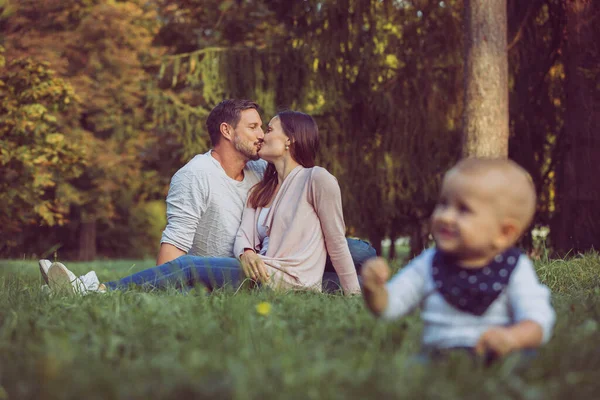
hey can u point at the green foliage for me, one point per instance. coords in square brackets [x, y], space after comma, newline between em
[164, 345]
[137, 233]
[39, 152]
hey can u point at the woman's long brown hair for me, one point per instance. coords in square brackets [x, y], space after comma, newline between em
[304, 137]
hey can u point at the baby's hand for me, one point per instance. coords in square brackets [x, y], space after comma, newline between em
[375, 273]
[498, 340]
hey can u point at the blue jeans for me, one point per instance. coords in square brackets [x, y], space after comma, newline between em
[215, 272]
[360, 251]
[185, 272]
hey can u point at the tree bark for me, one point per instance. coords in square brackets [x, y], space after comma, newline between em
[576, 226]
[486, 113]
[87, 240]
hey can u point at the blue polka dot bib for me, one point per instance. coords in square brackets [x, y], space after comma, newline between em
[473, 290]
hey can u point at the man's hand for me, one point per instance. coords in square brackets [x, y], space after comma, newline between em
[253, 266]
[498, 340]
[375, 274]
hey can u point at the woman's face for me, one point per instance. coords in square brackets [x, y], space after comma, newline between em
[274, 142]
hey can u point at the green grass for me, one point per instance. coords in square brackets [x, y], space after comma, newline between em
[168, 345]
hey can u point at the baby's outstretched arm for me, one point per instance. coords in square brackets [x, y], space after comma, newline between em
[375, 274]
[399, 296]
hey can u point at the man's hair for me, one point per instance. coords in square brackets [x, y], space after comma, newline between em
[228, 111]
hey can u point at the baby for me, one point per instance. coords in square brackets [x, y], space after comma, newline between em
[476, 290]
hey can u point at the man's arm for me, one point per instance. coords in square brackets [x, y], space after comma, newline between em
[186, 202]
[167, 253]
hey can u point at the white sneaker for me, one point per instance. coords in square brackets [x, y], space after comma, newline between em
[44, 267]
[60, 278]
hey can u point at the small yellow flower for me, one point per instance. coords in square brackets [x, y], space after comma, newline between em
[263, 308]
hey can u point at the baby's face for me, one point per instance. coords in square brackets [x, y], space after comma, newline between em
[466, 221]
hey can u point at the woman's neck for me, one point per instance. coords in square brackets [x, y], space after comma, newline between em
[284, 167]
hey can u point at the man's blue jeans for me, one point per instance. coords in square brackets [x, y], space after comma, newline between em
[215, 272]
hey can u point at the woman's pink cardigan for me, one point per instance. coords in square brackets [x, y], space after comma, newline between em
[304, 223]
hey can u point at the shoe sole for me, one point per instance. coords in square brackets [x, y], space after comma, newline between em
[58, 279]
[44, 270]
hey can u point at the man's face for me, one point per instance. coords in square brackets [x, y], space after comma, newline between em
[248, 134]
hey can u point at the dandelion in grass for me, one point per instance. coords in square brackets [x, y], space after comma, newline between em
[263, 308]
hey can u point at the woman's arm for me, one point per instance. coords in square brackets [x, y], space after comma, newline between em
[327, 201]
[244, 239]
[244, 248]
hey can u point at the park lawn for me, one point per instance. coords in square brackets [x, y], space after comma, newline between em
[169, 345]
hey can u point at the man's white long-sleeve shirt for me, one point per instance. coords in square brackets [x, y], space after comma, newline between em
[205, 206]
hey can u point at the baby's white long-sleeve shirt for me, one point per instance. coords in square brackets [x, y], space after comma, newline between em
[445, 326]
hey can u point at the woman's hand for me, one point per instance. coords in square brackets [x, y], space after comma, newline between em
[253, 266]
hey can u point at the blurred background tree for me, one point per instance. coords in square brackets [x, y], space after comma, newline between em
[104, 50]
[384, 79]
[39, 152]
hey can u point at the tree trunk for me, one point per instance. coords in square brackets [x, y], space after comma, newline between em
[87, 240]
[417, 241]
[576, 226]
[375, 241]
[392, 254]
[486, 79]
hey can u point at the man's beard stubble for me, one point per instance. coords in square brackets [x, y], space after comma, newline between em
[249, 151]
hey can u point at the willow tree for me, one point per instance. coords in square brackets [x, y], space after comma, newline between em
[381, 77]
[486, 118]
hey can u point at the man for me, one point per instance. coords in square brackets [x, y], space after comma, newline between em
[207, 196]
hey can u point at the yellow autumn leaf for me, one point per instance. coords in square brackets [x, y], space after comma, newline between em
[55, 138]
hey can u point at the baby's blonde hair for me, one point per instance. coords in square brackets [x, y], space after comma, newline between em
[517, 198]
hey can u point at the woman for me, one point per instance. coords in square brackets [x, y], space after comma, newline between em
[294, 215]
[293, 218]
